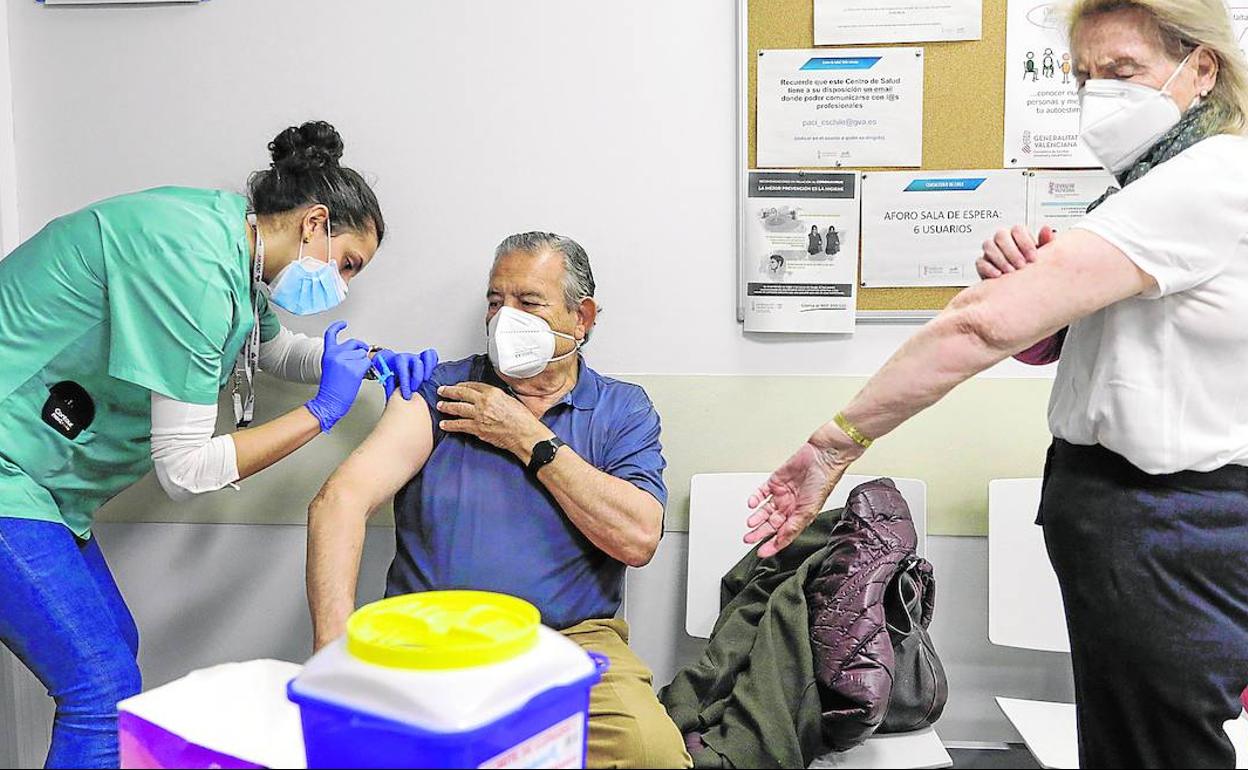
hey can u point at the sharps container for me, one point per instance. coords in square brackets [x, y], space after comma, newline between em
[447, 679]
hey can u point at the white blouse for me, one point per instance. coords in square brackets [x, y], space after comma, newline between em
[1162, 378]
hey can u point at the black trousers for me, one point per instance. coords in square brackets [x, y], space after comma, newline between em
[1154, 576]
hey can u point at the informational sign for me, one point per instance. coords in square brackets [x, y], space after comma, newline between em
[1058, 199]
[1239, 20]
[855, 22]
[1041, 97]
[801, 252]
[927, 228]
[840, 107]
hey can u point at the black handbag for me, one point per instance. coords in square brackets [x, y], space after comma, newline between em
[920, 687]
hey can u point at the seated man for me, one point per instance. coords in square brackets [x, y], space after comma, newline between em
[524, 472]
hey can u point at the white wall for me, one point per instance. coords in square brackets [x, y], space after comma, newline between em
[612, 122]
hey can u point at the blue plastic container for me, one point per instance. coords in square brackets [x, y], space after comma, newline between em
[533, 736]
[447, 679]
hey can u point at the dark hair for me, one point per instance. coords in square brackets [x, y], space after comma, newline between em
[305, 171]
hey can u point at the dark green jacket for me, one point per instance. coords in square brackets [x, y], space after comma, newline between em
[752, 695]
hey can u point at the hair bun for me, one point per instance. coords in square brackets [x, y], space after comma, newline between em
[315, 144]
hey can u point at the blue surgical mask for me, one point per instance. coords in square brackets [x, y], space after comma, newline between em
[308, 286]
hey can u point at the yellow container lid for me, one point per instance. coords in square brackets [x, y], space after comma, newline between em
[439, 630]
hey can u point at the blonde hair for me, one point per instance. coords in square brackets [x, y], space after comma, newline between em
[1183, 25]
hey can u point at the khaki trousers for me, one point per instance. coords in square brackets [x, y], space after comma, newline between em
[628, 727]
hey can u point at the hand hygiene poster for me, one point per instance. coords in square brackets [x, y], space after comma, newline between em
[1041, 97]
[801, 252]
[854, 22]
[840, 107]
[927, 228]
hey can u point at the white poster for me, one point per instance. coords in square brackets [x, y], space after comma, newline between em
[801, 252]
[1061, 198]
[1041, 101]
[830, 108]
[855, 22]
[1239, 20]
[927, 228]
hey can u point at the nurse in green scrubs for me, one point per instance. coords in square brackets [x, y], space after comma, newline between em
[119, 326]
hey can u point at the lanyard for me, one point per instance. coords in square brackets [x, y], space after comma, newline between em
[244, 391]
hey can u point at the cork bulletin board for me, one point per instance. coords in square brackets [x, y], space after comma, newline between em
[963, 111]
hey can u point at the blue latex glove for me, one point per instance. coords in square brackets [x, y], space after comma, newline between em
[343, 366]
[408, 371]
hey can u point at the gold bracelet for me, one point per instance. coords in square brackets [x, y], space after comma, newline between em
[851, 430]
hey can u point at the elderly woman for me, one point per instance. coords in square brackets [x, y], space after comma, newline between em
[1145, 502]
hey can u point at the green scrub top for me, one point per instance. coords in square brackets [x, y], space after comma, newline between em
[142, 293]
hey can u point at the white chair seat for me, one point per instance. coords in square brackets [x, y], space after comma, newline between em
[1048, 729]
[1050, 732]
[921, 748]
[1237, 731]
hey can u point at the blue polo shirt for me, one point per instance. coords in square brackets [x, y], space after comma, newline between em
[475, 518]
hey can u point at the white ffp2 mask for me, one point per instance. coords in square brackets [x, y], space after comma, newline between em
[522, 344]
[1120, 121]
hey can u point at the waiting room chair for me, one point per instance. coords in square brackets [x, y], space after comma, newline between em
[1025, 611]
[717, 514]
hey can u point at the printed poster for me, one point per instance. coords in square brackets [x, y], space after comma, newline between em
[1239, 21]
[858, 22]
[840, 107]
[1059, 199]
[801, 252]
[927, 228]
[1041, 98]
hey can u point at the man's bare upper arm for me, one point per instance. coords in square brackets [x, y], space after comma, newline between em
[393, 453]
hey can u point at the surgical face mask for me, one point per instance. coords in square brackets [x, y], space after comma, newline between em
[522, 344]
[1120, 121]
[307, 285]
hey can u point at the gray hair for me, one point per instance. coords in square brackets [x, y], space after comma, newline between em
[578, 278]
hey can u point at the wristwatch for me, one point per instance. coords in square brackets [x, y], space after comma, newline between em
[544, 454]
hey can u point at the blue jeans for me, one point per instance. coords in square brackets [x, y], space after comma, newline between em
[62, 615]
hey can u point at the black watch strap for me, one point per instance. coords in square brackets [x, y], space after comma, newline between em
[544, 453]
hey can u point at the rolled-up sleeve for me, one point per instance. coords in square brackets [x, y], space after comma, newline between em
[1183, 221]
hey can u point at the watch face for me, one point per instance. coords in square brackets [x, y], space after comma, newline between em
[544, 452]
